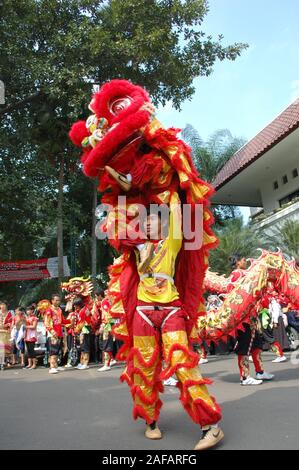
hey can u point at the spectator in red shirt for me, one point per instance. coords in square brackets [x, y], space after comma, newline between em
[17, 336]
[54, 322]
[5, 325]
[31, 336]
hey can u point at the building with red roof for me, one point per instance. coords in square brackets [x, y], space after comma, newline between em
[264, 173]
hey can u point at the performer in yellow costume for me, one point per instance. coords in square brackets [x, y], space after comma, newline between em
[159, 331]
[158, 306]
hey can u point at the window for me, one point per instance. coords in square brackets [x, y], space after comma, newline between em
[275, 185]
[284, 179]
[289, 198]
[295, 173]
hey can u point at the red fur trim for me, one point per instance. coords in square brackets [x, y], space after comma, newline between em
[148, 399]
[140, 412]
[78, 132]
[123, 352]
[124, 377]
[199, 411]
[155, 384]
[170, 370]
[150, 383]
[114, 89]
[202, 413]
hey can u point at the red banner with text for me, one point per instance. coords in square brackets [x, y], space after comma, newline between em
[34, 269]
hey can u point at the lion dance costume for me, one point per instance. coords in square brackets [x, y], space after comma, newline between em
[159, 309]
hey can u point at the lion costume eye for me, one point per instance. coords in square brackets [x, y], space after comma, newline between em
[119, 104]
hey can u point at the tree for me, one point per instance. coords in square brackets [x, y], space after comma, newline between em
[55, 51]
[284, 236]
[58, 48]
[209, 157]
[234, 238]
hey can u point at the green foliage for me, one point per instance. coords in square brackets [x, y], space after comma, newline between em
[53, 52]
[234, 238]
[285, 237]
[60, 47]
[209, 157]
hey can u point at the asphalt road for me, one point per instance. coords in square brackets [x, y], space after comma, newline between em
[91, 410]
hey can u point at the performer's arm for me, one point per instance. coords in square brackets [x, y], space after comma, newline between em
[175, 224]
[8, 322]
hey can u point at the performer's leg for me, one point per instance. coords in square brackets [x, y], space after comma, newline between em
[70, 343]
[243, 348]
[142, 374]
[107, 351]
[277, 349]
[259, 367]
[203, 352]
[22, 359]
[196, 400]
[86, 349]
[85, 359]
[107, 358]
[97, 351]
[180, 359]
[32, 355]
[243, 364]
[257, 360]
[53, 362]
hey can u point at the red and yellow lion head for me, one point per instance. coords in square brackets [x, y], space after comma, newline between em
[120, 111]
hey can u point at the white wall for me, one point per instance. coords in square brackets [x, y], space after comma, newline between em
[279, 218]
[255, 210]
[270, 196]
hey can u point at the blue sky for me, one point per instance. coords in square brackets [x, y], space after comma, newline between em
[245, 95]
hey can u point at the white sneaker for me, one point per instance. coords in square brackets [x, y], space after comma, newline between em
[79, 366]
[280, 359]
[60, 368]
[264, 376]
[171, 382]
[112, 362]
[84, 367]
[104, 368]
[68, 366]
[251, 381]
[203, 361]
[53, 371]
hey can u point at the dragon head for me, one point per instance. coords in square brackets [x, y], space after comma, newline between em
[77, 287]
[120, 111]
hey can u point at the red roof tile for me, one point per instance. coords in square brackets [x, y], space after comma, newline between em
[283, 125]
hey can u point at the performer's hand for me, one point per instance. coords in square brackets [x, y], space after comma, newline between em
[275, 325]
[120, 178]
